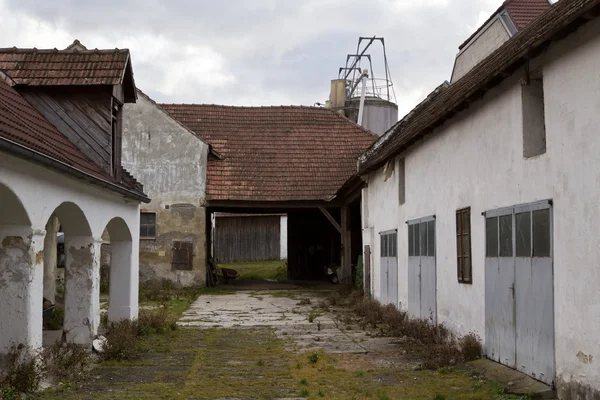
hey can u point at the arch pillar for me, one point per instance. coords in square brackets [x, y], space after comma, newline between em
[50, 258]
[82, 288]
[21, 286]
[123, 282]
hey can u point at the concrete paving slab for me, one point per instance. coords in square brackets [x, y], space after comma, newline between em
[515, 382]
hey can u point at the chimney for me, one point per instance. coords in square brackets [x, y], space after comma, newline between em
[337, 96]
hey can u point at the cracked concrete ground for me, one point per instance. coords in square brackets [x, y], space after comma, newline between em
[288, 313]
[274, 344]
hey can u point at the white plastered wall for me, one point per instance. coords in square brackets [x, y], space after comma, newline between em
[41, 191]
[476, 160]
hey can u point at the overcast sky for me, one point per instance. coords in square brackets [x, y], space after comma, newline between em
[254, 52]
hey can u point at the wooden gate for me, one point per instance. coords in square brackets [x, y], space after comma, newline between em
[247, 238]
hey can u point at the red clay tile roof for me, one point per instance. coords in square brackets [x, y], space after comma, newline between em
[275, 153]
[34, 67]
[524, 12]
[556, 22]
[22, 124]
[521, 12]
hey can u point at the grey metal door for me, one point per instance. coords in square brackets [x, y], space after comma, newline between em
[520, 320]
[499, 289]
[534, 291]
[422, 275]
[389, 268]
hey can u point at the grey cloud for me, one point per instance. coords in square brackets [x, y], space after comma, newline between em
[279, 51]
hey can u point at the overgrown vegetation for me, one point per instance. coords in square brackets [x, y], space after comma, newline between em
[24, 371]
[55, 321]
[441, 346]
[122, 337]
[66, 361]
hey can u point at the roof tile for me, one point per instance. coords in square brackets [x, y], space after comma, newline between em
[275, 153]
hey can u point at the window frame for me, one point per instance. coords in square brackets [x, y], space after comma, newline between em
[463, 252]
[147, 225]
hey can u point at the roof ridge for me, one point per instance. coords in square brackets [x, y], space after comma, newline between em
[242, 107]
[17, 50]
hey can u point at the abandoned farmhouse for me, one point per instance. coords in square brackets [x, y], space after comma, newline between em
[476, 210]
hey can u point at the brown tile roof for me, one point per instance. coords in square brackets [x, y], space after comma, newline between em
[34, 67]
[524, 12]
[556, 22]
[275, 153]
[521, 12]
[23, 125]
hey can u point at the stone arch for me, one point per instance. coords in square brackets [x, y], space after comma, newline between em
[12, 211]
[73, 219]
[123, 281]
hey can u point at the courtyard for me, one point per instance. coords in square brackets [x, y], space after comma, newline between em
[286, 343]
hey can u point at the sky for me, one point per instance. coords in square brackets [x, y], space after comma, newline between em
[254, 52]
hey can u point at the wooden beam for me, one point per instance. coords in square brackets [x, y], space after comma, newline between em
[331, 219]
[346, 270]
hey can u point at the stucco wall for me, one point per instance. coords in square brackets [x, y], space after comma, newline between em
[171, 163]
[40, 192]
[491, 38]
[476, 160]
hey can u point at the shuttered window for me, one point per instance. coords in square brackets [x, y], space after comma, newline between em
[463, 245]
[147, 225]
[183, 256]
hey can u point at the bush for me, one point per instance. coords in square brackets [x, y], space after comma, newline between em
[470, 347]
[442, 347]
[121, 341]
[56, 320]
[24, 370]
[9, 393]
[150, 322]
[66, 361]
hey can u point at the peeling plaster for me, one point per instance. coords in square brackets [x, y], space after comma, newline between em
[584, 358]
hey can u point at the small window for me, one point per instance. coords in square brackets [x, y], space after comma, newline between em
[401, 182]
[417, 244]
[423, 239]
[491, 237]
[534, 119]
[431, 239]
[541, 233]
[147, 225]
[506, 244]
[389, 244]
[523, 234]
[183, 256]
[463, 245]
[411, 240]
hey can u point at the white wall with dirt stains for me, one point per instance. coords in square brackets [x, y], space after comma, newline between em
[476, 160]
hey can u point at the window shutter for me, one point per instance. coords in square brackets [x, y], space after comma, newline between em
[183, 254]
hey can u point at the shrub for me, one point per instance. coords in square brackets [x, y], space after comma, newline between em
[121, 341]
[470, 347]
[442, 347]
[24, 370]
[66, 361]
[9, 393]
[56, 320]
[150, 322]
[313, 358]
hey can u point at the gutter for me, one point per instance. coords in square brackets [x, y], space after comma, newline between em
[28, 154]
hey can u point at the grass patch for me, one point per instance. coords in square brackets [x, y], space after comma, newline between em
[260, 270]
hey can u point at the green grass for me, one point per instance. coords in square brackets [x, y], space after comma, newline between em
[260, 270]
